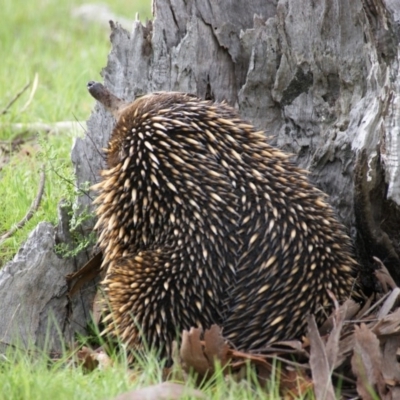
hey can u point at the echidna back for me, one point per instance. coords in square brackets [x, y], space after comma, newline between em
[202, 222]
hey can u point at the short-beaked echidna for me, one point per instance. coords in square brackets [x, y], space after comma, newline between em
[201, 221]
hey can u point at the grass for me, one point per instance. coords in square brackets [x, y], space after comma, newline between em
[27, 377]
[40, 38]
[24, 378]
[19, 185]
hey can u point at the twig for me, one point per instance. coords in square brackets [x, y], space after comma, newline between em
[74, 184]
[307, 366]
[33, 91]
[15, 98]
[33, 208]
[9, 345]
[56, 127]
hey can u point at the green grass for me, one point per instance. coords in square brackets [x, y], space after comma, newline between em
[25, 377]
[40, 38]
[19, 182]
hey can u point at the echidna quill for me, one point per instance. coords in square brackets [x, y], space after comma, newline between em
[201, 222]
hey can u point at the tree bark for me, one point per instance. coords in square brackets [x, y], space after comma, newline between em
[320, 77]
[35, 308]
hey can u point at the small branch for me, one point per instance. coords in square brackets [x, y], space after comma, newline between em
[33, 208]
[15, 98]
[34, 127]
[32, 94]
[74, 184]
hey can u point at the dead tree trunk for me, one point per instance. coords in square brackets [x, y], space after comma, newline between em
[321, 78]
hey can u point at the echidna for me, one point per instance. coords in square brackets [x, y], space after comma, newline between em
[202, 222]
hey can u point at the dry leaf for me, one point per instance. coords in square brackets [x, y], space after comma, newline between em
[346, 346]
[191, 353]
[389, 303]
[390, 365]
[320, 369]
[294, 383]
[93, 359]
[162, 391]
[388, 325]
[367, 364]
[394, 393]
[103, 359]
[332, 344]
[86, 358]
[215, 347]
[352, 308]
[200, 356]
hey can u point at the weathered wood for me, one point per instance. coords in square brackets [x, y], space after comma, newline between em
[35, 310]
[321, 78]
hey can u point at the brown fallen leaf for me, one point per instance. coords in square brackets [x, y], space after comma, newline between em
[390, 365]
[86, 358]
[394, 393]
[162, 391]
[367, 364]
[320, 369]
[215, 347]
[192, 354]
[332, 344]
[388, 325]
[346, 346]
[294, 384]
[199, 355]
[93, 359]
[352, 308]
[389, 303]
[383, 276]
